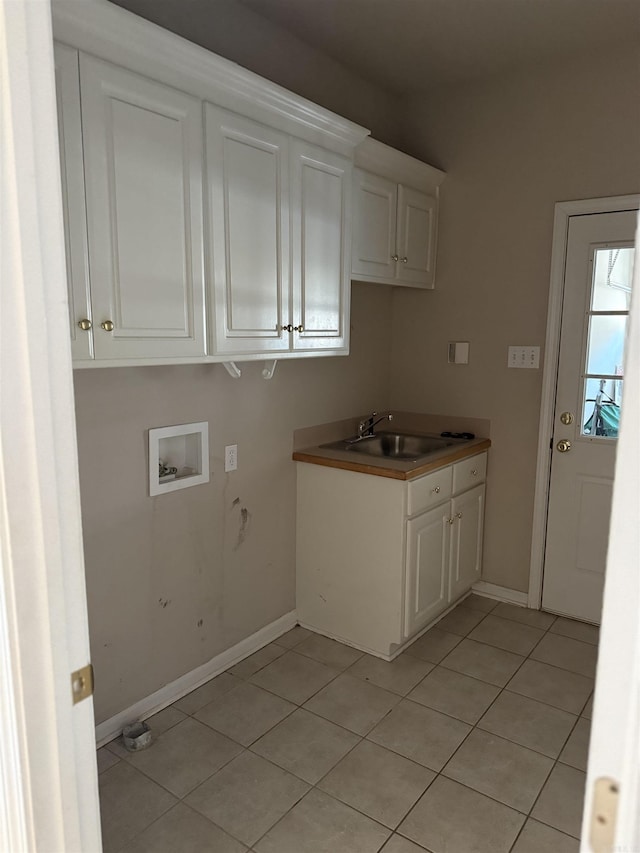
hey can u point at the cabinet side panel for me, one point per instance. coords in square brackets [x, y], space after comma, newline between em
[349, 554]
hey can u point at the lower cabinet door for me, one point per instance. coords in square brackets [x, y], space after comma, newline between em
[427, 567]
[467, 513]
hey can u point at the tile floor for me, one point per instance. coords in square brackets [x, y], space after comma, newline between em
[474, 740]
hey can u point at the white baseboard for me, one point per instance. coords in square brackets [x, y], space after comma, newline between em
[170, 693]
[501, 593]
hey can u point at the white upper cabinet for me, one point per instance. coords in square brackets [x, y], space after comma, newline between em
[73, 203]
[395, 217]
[248, 233]
[169, 262]
[143, 175]
[279, 237]
[321, 242]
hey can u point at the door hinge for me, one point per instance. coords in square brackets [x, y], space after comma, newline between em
[82, 683]
[604, 811]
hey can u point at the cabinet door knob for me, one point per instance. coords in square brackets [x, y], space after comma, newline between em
[107, 326]
[287, 328]
[394, 257]
[436, 490]
[474, 472]
[449, 521]
[85, 325]
[299, 328]
[458, 515]
[404, 260]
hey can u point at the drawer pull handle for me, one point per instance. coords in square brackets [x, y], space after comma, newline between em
[474, 472]
[436, 490]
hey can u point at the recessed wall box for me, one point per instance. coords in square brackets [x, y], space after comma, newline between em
[184, 448]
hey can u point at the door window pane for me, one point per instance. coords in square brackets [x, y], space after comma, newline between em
[606, 344]
[612, 279]
[601, 410]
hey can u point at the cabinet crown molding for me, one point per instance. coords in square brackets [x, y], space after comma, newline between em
[117, 35]
[381, 159]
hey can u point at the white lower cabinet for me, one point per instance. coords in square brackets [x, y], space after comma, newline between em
[379, 559]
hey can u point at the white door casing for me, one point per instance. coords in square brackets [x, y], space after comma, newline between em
[48, 774]
[582, 477]
[143, 176]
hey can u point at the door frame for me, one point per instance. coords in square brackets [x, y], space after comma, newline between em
[48, 774]
[564, 210]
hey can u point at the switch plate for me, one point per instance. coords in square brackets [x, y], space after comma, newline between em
[524, 357]
[231, 457]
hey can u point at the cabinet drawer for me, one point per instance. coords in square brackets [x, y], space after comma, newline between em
[469, 472]
[430, 490]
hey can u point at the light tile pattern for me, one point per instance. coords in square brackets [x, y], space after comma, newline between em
[474, 739]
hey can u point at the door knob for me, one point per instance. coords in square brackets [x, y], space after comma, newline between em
[107, 326]
[394, 257]
[564, 445]
[566, 418]
[287, 328]
[85, 325]
[299, 328]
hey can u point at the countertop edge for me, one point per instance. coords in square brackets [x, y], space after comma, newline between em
[318, 456]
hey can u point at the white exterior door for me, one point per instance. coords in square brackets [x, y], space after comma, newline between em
[248, 197]
[73, 201]
[321, 248]
[428, 544]
[374, 229]
[467, 514]
[416, 247]
[143, 173]
[597, 290]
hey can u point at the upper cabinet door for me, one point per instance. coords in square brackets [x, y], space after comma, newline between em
[374, 227]
[321, 248]
[143, 174]
[248, 232]
[417, 225]
[73, 205]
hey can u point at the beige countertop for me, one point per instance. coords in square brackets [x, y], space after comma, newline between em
[398, 469]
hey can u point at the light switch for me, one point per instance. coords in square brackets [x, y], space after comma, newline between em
[524, 357]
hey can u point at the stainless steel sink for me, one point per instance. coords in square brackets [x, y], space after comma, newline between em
[392, 445]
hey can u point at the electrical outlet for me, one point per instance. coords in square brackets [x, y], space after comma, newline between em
[231, 457]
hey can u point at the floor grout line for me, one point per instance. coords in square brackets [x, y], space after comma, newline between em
[365, 737]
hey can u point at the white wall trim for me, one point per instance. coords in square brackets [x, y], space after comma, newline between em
[563, 211]
[170, 693]
[500, 593]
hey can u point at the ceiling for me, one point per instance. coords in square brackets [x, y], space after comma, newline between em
[412, 46]
[406, 45]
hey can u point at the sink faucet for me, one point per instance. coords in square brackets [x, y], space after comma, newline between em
[365, 427]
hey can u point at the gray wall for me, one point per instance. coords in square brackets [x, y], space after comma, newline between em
[157, 566]
[511, 148]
